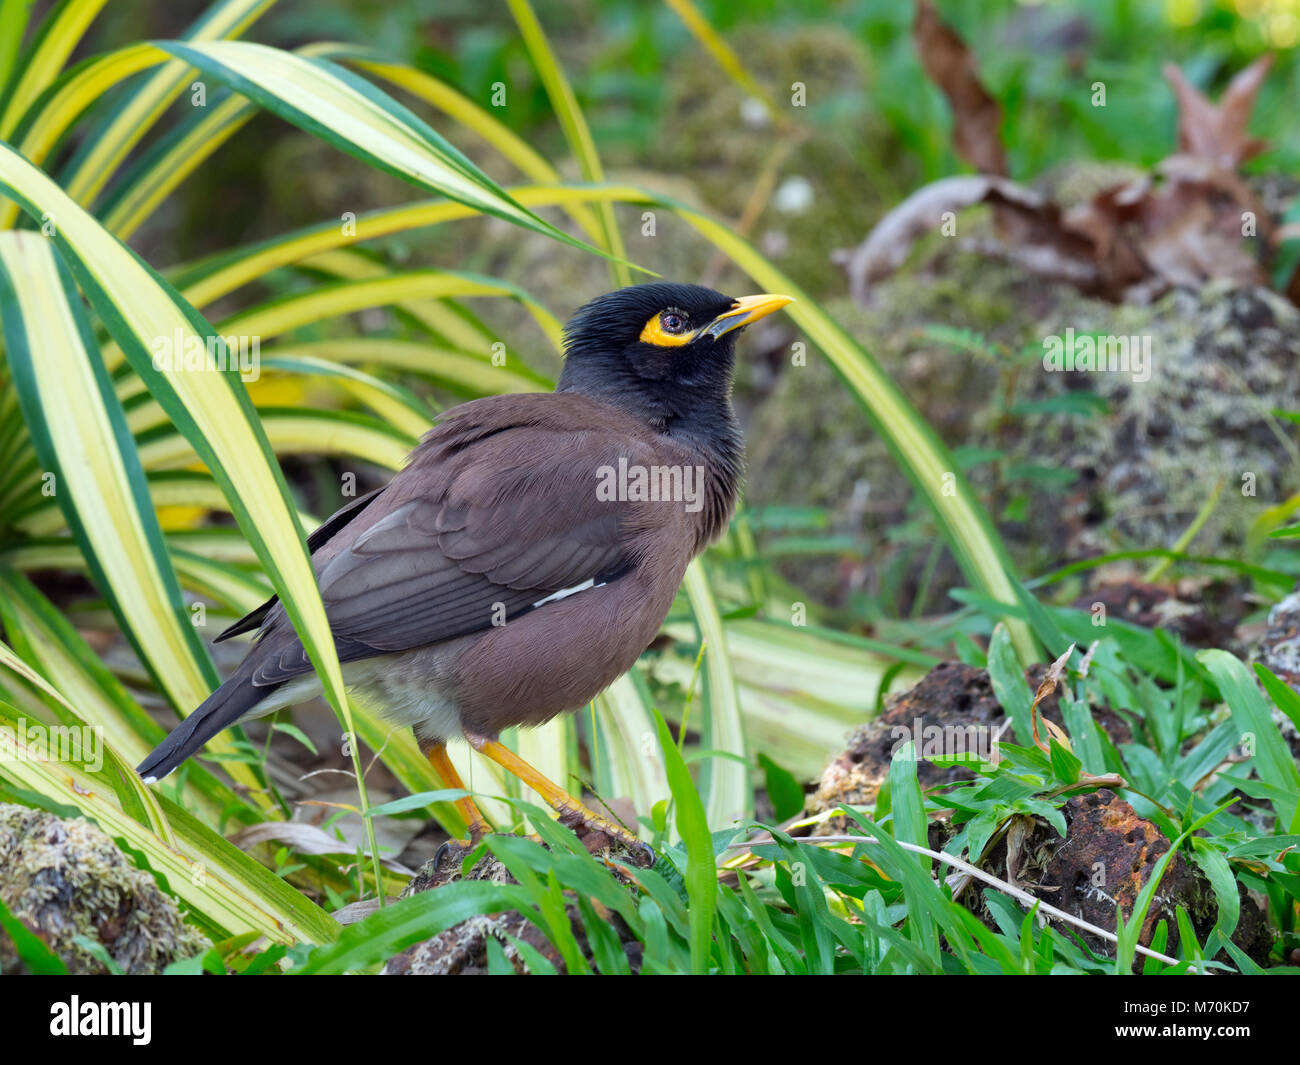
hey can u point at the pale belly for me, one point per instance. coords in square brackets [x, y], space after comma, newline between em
[402, 697]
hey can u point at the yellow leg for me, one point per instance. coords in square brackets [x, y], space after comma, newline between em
[442, 765]
[571, 811]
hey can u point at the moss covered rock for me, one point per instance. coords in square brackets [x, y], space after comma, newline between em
[66, 878]
[832, 175]
[1086, 462]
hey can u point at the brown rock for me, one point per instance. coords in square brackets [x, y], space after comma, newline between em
[462, 949]
[1105, 860]
[952, 700]
[67, 878]
[1204, 612]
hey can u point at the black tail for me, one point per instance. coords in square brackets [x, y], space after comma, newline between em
[218, 711]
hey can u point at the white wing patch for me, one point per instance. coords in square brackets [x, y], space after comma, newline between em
[564, 593]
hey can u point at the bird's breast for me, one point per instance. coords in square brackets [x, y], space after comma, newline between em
[562, 654]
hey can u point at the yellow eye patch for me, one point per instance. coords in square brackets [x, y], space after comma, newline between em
[667, 329]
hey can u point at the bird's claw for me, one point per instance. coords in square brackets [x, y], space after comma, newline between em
[601, 834]
[462, 846]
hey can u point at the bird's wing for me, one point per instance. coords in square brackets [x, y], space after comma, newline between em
[475, 532]
[320, 536]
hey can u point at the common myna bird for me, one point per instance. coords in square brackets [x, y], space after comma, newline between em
[530, 549]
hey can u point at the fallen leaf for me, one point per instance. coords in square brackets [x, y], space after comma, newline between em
[1020, 829]
[1045, 688]
[1180, 225]
[950, 65]
[1217, 132]
[356, 911]
[1032, 222]
[303, 838]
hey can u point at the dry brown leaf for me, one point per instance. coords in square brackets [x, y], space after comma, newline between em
[1086, 664]
[303, 838]
[1045, 688]
[1058, 734]
[356, 911]
[1181, 225]
[1053, 676]
[1020, 829]
[1031, 223]
[1106, 222]
[1217, 132]
[950, 65]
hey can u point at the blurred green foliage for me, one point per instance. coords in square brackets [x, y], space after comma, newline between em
[1040, 60]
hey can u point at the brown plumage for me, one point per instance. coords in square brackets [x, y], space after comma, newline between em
[494, 581]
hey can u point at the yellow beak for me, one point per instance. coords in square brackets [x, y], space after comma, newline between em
[744, 311]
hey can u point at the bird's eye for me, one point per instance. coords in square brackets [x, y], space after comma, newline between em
[669, 328]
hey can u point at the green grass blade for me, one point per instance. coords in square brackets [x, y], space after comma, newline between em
[574, 124]
[209, 406]
[39, 959]
[624, 749]
[133, 117]
[1273, 760]
[47, 641]
[343, 109]
[82, 439]
[13, 25]
[725, 781]
[412, 920]
[724, 55]
[59, 34]
[693, 827]
[228, 891]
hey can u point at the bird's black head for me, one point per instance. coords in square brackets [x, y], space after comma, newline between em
[662, 351]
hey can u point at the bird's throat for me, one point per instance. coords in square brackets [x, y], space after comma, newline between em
[711, 433]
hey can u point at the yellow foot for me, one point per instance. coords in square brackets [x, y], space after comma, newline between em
[588, 824]
[475, 823]
[597, 832]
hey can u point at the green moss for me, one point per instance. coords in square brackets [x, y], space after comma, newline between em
[1132, 477]
[1223, 360]
[838, 177]
[66, 878]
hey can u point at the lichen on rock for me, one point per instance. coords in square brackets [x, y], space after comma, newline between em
[1132, 476]
[66, 878]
